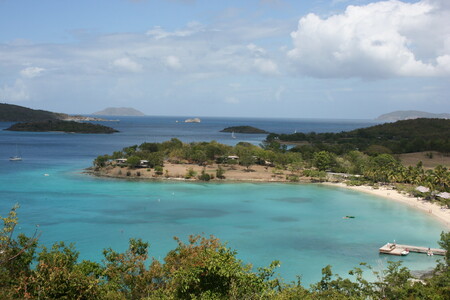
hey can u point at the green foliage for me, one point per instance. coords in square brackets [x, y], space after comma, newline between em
[324, 160]
[64, 126]
[159, 170]
[204, 176]
[220, 173]
[190, 173]
[101, 160]
[133, 161]
[399, 137]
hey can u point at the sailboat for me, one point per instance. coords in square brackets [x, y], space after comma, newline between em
[16, 157]
[232, 135]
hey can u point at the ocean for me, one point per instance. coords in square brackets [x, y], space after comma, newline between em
[300, 225]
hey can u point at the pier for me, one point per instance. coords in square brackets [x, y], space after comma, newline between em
[396, 249]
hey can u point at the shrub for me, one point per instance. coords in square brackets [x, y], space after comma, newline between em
[158, 170]
[190, 173]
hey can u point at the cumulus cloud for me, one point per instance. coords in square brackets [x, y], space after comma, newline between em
[31, 72]
[127, 64]
[15, 93]
[381, 39]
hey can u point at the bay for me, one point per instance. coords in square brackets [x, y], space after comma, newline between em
[299, 224]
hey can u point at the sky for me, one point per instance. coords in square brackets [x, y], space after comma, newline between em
[338, 59]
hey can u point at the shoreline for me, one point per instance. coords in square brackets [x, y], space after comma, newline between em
[431, 209]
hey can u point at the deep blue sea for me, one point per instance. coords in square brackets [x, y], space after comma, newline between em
[299, 224]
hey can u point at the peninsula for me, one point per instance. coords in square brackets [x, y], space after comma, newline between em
[61, 126]
[244, 129]
[16, 113]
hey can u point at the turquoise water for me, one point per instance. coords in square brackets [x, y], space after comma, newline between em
[299, 224]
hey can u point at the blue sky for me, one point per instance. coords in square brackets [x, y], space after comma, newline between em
[256, 58]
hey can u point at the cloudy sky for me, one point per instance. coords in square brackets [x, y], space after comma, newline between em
[353, 59]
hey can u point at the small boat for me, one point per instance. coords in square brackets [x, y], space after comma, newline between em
[232, 135]
[405, 252]
[348, 217]
[16, 157]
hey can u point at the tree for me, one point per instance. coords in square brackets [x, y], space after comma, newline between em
[323, 160]
[133, 161]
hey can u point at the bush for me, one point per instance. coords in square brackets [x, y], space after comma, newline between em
[204, 176]
[159, 170]
[128, 173]
[190, 173]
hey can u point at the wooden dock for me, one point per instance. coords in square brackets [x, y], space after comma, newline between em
[396, 249]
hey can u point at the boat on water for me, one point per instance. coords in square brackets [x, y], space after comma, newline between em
[16, 157]
[232, 135]
[405, 252]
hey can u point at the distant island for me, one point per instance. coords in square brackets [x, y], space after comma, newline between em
[193, 120]
[16, 113]
[61, 126]
[244, 129]
[120, 111]
[410, 114]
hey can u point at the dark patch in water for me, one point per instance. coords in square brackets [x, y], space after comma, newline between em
[284, 219]
[187, 213]
[292, 199]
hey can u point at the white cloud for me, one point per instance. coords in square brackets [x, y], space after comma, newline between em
[279, 93]
[14, 93]
[381, 39]
[127, 64]
[31, 72]
[173, 62]
[266, 66]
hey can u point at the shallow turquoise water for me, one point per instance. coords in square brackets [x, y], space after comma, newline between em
[299, 224]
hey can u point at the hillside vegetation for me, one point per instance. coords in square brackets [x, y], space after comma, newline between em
[400, 137]
[16, 113]
[64, 126]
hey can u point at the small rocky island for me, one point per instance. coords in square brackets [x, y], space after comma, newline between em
[244, 129]
[61, 126]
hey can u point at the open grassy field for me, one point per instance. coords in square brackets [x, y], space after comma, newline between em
[430, 159]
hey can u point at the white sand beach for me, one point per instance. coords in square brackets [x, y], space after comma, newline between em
[441, 214]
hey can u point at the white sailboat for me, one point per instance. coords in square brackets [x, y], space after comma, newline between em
[16, 157]
[232, 135]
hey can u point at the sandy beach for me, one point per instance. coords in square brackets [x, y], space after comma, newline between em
[441, 214]
[236, 173]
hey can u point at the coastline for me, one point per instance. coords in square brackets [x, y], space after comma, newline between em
[434, 210]
[259, 174]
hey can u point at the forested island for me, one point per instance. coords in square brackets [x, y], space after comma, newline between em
[61, 126]
[244, 129]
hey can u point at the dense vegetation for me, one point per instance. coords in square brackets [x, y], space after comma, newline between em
[244, 129]
[16, 113]
[203, 268]
[297, 162]
[399, 137]
[64, 126]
